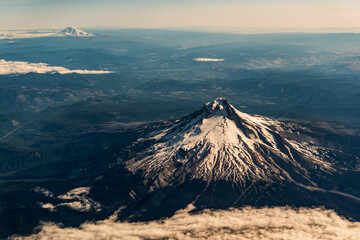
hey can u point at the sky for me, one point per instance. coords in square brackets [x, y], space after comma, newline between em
[269, 15]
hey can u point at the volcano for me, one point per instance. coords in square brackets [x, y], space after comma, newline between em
[219, 157]
[73, 32]
[216, 158]
[220, 143]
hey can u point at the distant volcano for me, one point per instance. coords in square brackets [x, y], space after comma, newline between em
[74, 32]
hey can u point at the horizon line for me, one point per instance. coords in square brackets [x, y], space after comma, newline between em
[212, 29]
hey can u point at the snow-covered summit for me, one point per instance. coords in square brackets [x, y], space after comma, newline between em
[222, 107]
[74, 32]
[220, 143]
[218, 104]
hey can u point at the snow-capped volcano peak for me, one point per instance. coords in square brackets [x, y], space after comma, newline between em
[218, 104]
[74, 32]
[221, 106]
[219, 142]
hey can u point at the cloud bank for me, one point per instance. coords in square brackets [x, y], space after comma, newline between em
[209, 59]
[18, 67]
[247, 223]
[25, 34]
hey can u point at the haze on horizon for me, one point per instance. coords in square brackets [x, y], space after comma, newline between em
[227, 15]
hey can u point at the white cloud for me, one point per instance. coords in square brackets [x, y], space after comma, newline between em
[25, 34]
[18, 67]
[209, 59]
[44, 191]
[76, 199]
[247, 223]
